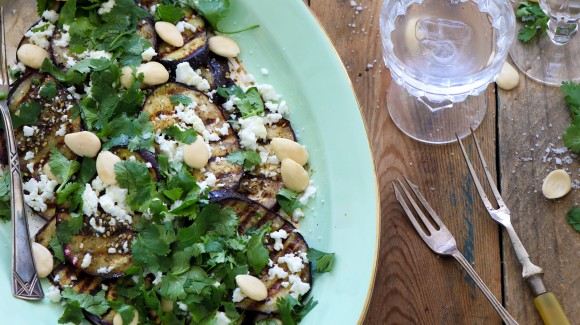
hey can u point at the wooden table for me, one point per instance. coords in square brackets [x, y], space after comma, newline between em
[413, 285]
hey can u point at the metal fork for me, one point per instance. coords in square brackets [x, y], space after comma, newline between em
[546, 302]
[25, 284]
[442, 242]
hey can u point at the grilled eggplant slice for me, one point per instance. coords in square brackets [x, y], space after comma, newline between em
[217, 74]
[158, 105]
[54, 121]
[251, 216]
[195, 50]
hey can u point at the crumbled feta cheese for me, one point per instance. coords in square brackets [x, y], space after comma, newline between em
[183, 25]
[224, 130]
[222, 319]
[105, 269]
[29, 131]
[30, 167]
[50, 15]
[265, 71]
[272, 118]
[309, 192]
[285, 284]
[303, 256]
[153, 9]
[298, 287]
[90, 201]
[39, 192]
[61, 132]
[210, 181]
[28, 155]
[278, 236]
[86, 261]
[64, 38]
[40, 33]
[238, 295]
[252, 129]
[100, 54]
[158, 278]
[297, 214]
[229, 104]
[98, 185]
[184, 73]
[53, 293]
[18, 67]
[293, 262]
[114, 203]
[93, 224]
[171, 148]
[182, 306]
[277, 272]
[106, 7]
[268, 92]
[112, 250]
[148, 54]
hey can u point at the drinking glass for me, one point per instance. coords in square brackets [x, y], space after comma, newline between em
[552, 58]
[442, 55]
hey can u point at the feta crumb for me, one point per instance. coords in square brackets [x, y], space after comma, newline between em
[105, 269]
[268, 92]
[293, 262]
[278, 236]
[265, 71]
[158, 278]
[238, 295]
[53, 293]
[40, 33]
[182, 306]
[309, 192]
[86, 261]
[221, 318]
[148, 54]
[277, 272]
[90, 201]
[29, 130]
[298, 287]
[106, 7]
[112, 250]
[30, 167]
[252, 129]
[184, 73]
[64, 38]
[28, 155]
[61, 132]
[39, 192]
[183, 25]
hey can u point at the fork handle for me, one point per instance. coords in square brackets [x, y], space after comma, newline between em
[507, 318]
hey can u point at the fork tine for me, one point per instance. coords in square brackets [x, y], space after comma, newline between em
[480, 190]
[428, 207]
[410, 215]
[487, 173]
[426, 221]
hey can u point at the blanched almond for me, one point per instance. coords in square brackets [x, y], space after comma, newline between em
[48, 172]
[223, 46]
[166, 305]
[294, 176]
[508, 78]
[169, 33]
[106, 161]
[32, 55]
[286, 148]
[84, 143]
[42, 260]
[196, 154]
[556, 184]
[118, 320]
[127, 78]
[252, 287]
[154, 73]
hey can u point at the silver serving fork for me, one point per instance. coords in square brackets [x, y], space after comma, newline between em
[25, 284]
[546, 302]
[441, 241]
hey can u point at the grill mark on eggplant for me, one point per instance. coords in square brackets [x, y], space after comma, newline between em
[49, 122]
[295, 243]
[158, 104]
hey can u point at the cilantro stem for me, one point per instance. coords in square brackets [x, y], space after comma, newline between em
[239, 31]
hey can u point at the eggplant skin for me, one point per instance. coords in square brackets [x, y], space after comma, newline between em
[252, 216]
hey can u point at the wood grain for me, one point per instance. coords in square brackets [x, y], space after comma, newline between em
[531, 119]
[413, 285]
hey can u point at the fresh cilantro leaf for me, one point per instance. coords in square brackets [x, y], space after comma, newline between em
[247, 158]
[571, 91]
[258, 255]
[71, 76]
[228, 92]
[180, 99]
[28, 114]
[135, 177]
[292, 311]
[534, 21]
[323, 262]
[87, 171]
[169, 13]
[5, 197]
[3, 96]
[211, 218]
[95, 304]
[67, 12]
[173, 287]
[571, 137]
[573, 218]
[151, 244]
[61, 167]
[67, 191]
[173, 194]
[42, 5]
[289, 200]
[73, 313]
[212, 10]
[68, 228]
[48, 90]
[251, 104]
[57, 250]
[188, 136]
[136, 133]
[127, 312]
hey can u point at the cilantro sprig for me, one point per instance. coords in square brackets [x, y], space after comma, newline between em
[571, 137]
[249, 103]
[292, 311]
[573, 218]
[533, 19]
[246, 158]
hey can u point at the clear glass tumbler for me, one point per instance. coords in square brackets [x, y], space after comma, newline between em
[442, 54]
[553, 58]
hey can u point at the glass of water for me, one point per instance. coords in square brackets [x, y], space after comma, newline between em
[553, 58]
[442, 55]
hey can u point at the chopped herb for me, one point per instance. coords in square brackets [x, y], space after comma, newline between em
[292, 311]
[188, 136]
[3, 96]
[61, 167]
[180, 99]
[73, 313]
[249, 103]
[94, 304]
[28, 114]
[228, 92]
[135, 133]
[150, 246]
[571, 136]
[258, 255]
[68, 228]
[5, 197]
[48, 90]
[168, 13]
[135, 177]
[533, 19]
[56, 247]
[127, 312]
[289, 200]
[323, 262]
[573, 218]
[247, 158]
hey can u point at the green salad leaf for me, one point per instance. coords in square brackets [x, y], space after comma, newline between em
[573, 218]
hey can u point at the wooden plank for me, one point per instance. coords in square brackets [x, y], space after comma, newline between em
[532, 118]
[413, 286]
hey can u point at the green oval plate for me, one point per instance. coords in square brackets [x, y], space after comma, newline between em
[344, 216]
